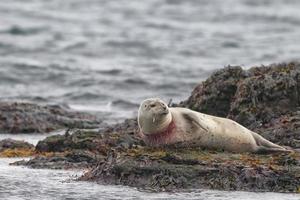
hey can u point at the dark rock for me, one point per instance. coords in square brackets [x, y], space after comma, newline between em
[121, 135]
[268, 95]
[82, 148]
[67, 160]
[149, 170]
[15, 148]
[14, 144]
[32, 118]
[215, 95]
[80, 139]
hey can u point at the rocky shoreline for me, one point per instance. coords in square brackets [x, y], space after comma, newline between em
[264, 99]
[21, 117]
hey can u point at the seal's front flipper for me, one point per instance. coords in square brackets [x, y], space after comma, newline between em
[194, 120]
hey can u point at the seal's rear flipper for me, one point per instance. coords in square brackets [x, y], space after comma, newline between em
[267, 150]
[262, 142]
[264, 146]
[297, 150]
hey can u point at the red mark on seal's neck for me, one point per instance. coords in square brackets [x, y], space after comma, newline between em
[162, 137]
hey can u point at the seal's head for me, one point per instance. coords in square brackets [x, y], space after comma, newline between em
[154, 116]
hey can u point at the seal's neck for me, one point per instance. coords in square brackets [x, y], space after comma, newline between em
[161, 137]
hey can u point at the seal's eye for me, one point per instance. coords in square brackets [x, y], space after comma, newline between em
[163, 106]
[152, 105]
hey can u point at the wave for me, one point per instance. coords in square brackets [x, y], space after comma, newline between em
[110, 71]
[124, 104]
[86, 96]
[25, 31]
[136, 81]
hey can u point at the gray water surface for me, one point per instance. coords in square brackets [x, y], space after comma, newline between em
[106, 56]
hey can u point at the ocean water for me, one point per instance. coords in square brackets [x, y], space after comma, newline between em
[106, 56]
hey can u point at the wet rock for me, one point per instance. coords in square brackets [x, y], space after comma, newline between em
[118, 136]
[15, 148]
[14, 144]
[79, 139]
[67, 160]
[32, 118]
[82, 148]
[169, 170]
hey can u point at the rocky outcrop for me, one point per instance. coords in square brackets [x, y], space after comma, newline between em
[214, 95]
[171, 170]
[15, 148]
[117, 136]
[264, 99]
[79, 159]
[32, 118]
[81, 148]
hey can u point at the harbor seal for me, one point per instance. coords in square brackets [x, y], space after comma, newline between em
[160, 126]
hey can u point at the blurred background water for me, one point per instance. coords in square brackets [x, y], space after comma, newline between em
[105, 56]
